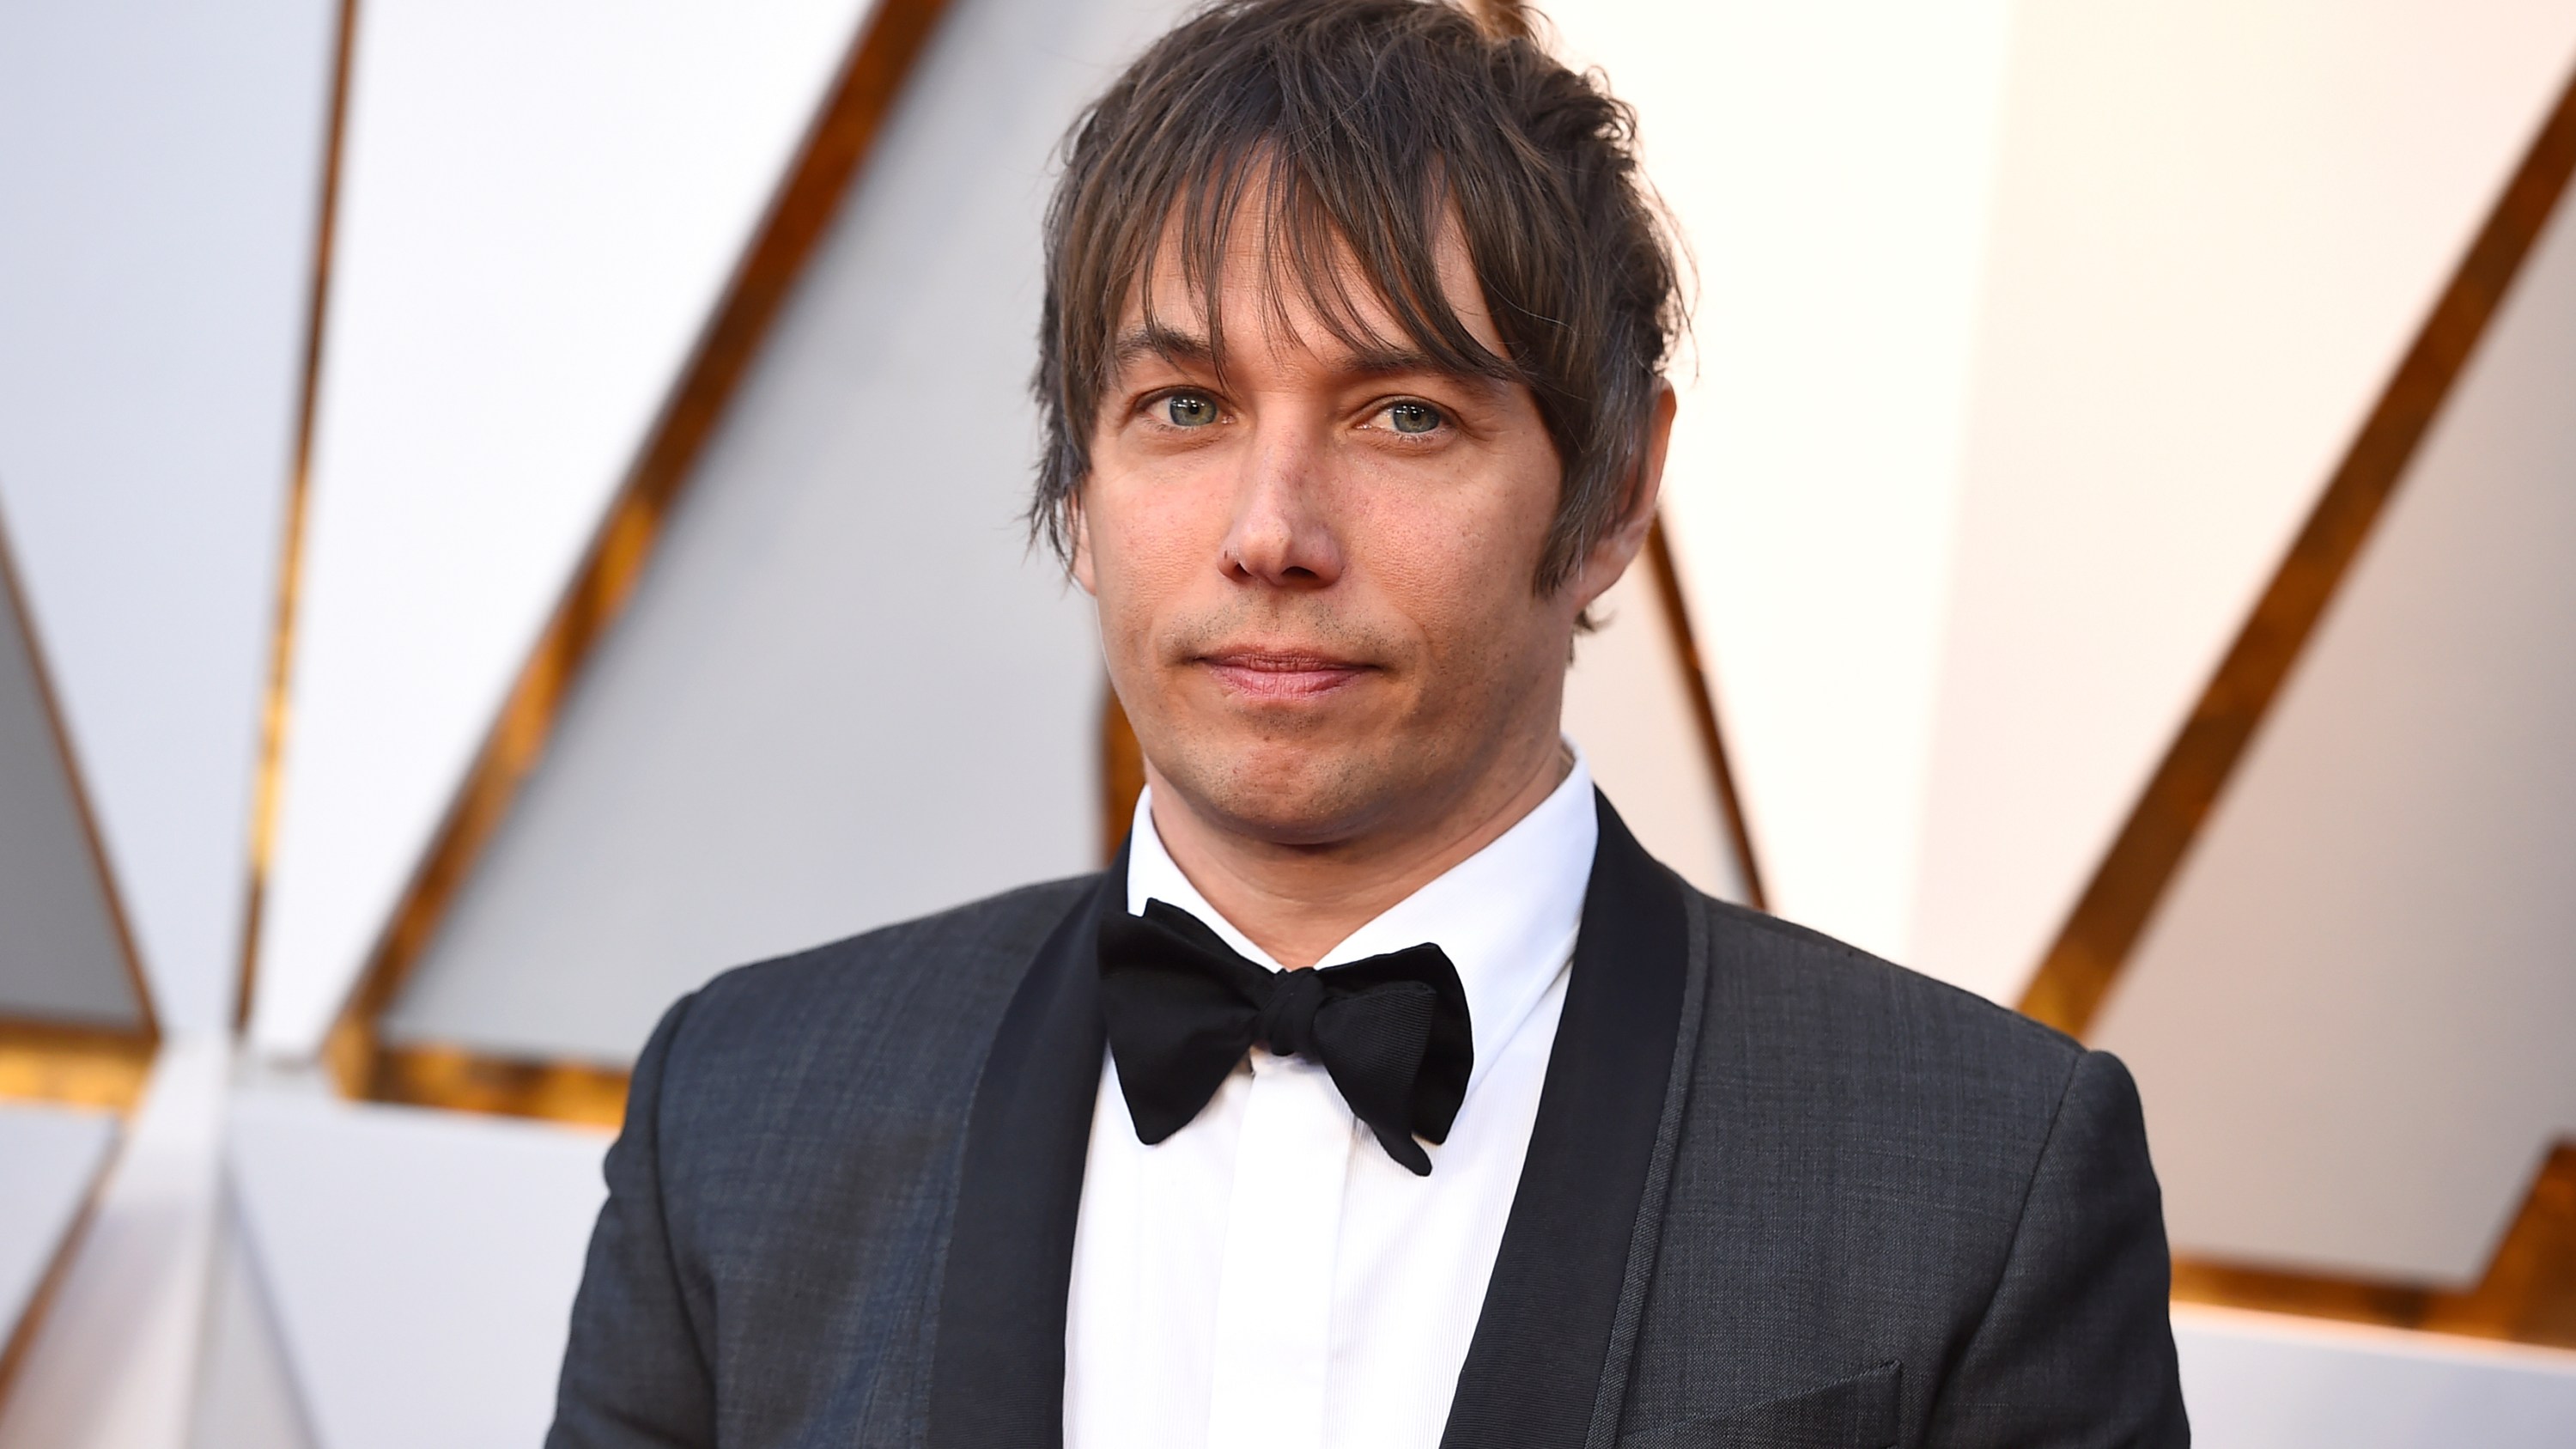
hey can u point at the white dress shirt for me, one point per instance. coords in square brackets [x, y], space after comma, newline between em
[1268, 1275]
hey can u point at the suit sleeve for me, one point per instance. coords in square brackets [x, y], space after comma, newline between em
[635, 1371]
[2076, 1347]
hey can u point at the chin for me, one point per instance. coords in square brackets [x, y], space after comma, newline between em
[1289, 794]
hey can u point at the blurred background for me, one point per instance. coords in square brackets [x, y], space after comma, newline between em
[508, 509]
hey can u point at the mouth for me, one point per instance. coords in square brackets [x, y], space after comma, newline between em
[1285, 675]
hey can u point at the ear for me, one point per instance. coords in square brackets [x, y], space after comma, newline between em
[1078, 528]
[1620, 546]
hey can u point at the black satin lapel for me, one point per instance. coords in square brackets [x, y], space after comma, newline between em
[997, 1366]
[1533, 1368]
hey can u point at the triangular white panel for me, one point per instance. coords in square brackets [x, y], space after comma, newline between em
[246, 1395]
[54, 1155]
[61, 957]
[2269, 1380]
[847, 692]
[1829, 166]
[540, 205]
[113, 1364]
[420, 1265]
[2353, 1018]
[161, 170]
[1628, 703]
[2217, 228]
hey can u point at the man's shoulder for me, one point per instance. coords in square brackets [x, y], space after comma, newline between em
[947, 949]
[1825, 1008]
[1873, 1166]
[1896, 1109]
[904, 1002]
[799, 1115]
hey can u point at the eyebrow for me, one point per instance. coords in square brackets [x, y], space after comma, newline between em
[1171, 344]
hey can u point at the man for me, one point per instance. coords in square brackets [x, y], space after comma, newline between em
[1384, 1092]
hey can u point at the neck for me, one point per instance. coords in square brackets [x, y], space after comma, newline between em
[1298, 902]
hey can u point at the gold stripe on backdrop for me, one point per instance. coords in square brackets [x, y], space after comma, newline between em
[845, 127]
[469, 1081]
[290, 551]
[73, 1066]
[1122, 774]
[1667, 576]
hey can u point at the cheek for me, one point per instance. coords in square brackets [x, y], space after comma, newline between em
[1457, 559]
[1152, 529]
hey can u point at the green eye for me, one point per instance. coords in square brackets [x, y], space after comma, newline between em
[1413, 417]
[1189, 410]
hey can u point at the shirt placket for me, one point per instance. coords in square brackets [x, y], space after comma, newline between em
[1275, 1289]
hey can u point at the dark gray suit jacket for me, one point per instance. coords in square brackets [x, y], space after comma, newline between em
[1778, 1193]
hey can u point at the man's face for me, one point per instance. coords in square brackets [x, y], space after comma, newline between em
[1315, 573]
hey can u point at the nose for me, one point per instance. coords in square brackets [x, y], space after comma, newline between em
[1279, 534]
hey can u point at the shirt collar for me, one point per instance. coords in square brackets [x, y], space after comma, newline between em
[1506, 916]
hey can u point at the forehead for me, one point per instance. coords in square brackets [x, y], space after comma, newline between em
[1279, 277]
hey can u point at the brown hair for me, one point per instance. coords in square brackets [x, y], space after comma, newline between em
[1368, 124]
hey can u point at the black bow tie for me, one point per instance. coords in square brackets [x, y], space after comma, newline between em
[1183, 1008]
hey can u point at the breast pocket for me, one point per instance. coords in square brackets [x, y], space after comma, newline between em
[1854, 1413]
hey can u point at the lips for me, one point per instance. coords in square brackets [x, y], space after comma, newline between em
[1281, 675]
